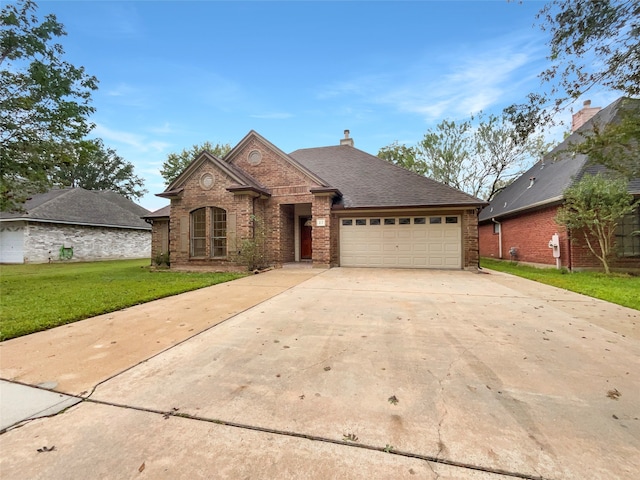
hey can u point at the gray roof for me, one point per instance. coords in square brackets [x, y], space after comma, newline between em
[366, 181]
[78, 206]
[556, 172]
[160, 213]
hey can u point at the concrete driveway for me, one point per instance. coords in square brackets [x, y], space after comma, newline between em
[362, 373]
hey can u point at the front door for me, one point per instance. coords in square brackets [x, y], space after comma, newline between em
[305, 239]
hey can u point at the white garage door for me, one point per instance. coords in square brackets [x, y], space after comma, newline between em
[11, 245]
[401, 242]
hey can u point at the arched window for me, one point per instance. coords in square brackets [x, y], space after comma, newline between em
[218, 232]
[199, 233]
[209, 232]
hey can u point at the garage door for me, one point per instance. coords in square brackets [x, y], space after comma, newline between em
[401, 242]
[11, 245]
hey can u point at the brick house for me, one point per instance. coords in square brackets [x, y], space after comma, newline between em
[330, 206]
[519, 223]
[74, 224]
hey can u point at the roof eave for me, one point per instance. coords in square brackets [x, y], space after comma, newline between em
[533, 206]
[68, 222]
[325, 191]
[412, 207]
[248, 190]
[171, 193]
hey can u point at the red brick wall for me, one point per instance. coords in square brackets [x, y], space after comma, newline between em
[194, 197]
[529, 233]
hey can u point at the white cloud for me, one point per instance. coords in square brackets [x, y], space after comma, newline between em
[453, 84]
[138, 142]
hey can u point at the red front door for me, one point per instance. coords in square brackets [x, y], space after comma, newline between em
[305, 240]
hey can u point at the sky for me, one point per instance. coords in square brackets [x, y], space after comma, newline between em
[178, 73]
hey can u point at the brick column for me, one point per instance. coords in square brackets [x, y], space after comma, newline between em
[321, 234]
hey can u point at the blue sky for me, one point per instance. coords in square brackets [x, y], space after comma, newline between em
[174, 74]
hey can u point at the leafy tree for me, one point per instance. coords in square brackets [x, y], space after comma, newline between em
[89, 164]
[44, 101]
[479, 156]
[594, 205]
[446, 154]
[593, 43]
[177, 162]
[403, 156]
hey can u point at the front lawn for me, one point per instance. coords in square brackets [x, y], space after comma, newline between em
[39, 297]
[617, 288]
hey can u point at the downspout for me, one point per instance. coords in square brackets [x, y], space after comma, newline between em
[499, 237]
[569, 250]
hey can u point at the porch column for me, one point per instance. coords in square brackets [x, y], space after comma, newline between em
[321, 233]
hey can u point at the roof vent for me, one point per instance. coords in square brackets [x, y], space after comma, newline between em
[346, 140]
[532, 180]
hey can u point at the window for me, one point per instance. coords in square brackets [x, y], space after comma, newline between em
[209, 232]
[347, 222]
[435, 220]
[361, 221]
[374, 221]
[451, 219]
[389, 221]
[420, 221]
[218, 232]
[627, 242]
[199, 232]
[404, 221]
[496, 228]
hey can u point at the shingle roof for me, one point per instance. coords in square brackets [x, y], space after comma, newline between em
[82, 207]
[160, 213]
[558, 170]
[367, 181]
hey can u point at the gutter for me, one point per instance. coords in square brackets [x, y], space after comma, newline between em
[66, 222]
[543, 203]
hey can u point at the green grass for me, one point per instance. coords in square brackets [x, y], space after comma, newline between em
[39, 297]
[619, 288]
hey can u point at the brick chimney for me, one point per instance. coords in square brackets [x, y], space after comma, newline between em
[346, 140]
[583, 116]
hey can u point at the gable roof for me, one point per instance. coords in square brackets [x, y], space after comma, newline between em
[242, 178]
[367, 181]
[288, 158]
[545, 183]
[77, 206]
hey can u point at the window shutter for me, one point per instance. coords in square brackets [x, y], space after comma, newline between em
[184, 234]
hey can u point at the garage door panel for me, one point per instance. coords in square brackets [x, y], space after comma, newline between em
[415, 245]
[11, 245]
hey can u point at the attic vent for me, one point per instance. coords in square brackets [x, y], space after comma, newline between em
[532, 180]
[254, 158]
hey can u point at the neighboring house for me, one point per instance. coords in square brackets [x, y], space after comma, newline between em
[330, 206]
[74, 224]
[519, 223]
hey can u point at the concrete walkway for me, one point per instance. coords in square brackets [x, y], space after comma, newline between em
[357, 373]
